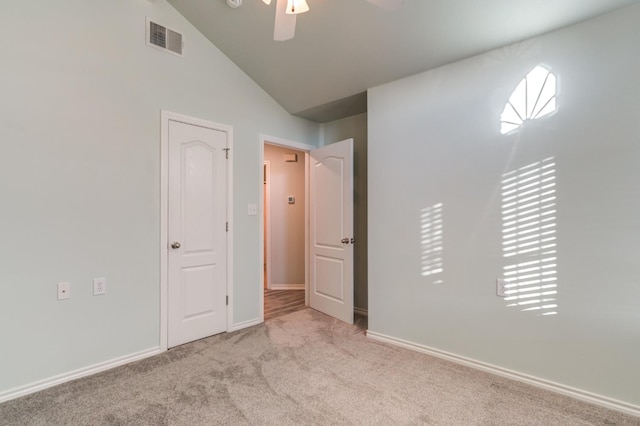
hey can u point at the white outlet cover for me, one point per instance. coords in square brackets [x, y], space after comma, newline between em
[252, 210]
[501, 290]
[99, 286]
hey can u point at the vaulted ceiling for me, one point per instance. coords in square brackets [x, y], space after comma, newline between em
[343, 47]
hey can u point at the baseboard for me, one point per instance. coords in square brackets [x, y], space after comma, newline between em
[244, 324]
[360, 311]
[76, 374]
[287, 287]
[600, 400]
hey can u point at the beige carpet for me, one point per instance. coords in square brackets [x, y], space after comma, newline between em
[298, 369]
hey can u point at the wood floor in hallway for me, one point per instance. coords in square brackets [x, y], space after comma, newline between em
[282, 302]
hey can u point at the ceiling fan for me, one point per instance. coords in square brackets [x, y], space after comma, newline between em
[286, 11]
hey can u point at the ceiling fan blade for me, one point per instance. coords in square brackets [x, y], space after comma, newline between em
[387, 4]
[285, 26]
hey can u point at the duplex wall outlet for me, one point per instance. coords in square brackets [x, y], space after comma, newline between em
[252, 210]
[501, 287]
[64, 290]
[99, 286]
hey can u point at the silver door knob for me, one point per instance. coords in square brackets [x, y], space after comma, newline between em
[345, 241]
[175, 245]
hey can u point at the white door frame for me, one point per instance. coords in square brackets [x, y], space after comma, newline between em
[272, 140]
[165, 117]
[267, 219]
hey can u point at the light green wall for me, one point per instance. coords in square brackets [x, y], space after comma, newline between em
[80, 105]
[355, 127]
[434, 138]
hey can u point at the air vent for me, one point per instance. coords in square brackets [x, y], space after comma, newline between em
[164, 38]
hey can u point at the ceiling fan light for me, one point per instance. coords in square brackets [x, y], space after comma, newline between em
[297, 6]
[267, 2]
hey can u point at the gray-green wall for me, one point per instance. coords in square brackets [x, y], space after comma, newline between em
[80, 103]
[435, 138]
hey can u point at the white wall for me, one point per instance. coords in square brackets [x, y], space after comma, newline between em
[355, 127]
[287, 220]
[434, 138]
[80, 105]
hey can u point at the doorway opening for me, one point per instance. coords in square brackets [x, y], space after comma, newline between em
[284, 229]
[328, 225]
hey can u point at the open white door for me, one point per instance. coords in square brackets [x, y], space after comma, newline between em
[331, 225]
[197, 252]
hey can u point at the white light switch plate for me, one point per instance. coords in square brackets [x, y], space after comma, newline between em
[64, 290]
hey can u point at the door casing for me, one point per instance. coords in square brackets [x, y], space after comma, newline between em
[165, 117]
[266, 222]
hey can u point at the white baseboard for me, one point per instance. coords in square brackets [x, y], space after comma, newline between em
[600, 400]
[76, 374]
[244, 324]
[287, 287]
[360, 311]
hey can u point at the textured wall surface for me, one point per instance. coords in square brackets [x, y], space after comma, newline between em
[435, 138]
[80, 176]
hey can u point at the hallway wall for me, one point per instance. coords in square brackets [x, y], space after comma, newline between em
[287, 250]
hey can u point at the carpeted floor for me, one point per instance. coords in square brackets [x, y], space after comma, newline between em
[299, 369]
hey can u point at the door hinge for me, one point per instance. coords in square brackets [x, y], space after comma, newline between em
[227, 226]
[226, 151]
[227, 300]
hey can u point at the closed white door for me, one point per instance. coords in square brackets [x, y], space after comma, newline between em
[197, 252]
[331, 225]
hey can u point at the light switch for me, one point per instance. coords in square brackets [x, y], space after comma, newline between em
[64, 290]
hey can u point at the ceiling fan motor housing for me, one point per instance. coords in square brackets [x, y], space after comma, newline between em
[234, 3]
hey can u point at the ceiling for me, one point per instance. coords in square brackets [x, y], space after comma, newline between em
[343, 47]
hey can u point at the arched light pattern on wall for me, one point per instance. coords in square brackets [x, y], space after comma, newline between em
[431, 239]
[529, 237]
[533, 98]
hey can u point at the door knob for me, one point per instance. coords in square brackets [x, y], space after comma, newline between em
[345, 241]
[175, 245]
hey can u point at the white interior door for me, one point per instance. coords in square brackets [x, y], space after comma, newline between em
[331, 224]
[197, 252]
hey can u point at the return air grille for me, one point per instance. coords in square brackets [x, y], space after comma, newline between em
[164, 38]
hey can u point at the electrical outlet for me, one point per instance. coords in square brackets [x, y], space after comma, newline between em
[99, 286]
[252, 210]
[501, 287]
[64, 290]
